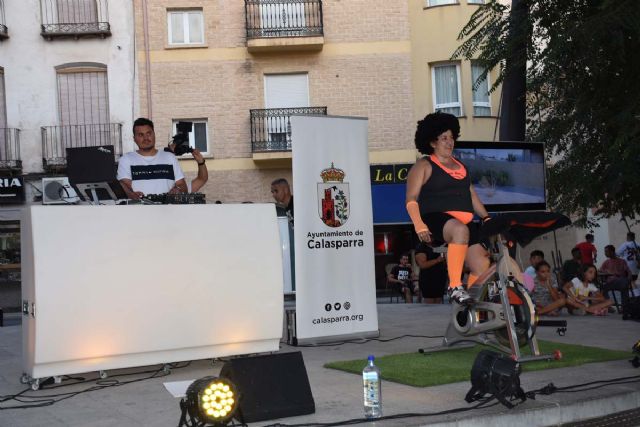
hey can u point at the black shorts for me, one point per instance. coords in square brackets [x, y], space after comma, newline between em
[434, 287]
[435, 221]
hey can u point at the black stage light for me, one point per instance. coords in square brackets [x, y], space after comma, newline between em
[497, 375]
[209, 401]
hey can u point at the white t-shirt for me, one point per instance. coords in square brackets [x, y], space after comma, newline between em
[580, 290]
[627, 251]
[150, 174]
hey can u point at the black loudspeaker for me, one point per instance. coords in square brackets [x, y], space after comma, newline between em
[497, 375]
[270, 387]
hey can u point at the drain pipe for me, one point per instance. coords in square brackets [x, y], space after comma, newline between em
[145, 26]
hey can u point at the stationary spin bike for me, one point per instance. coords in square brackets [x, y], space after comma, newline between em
[502, 314]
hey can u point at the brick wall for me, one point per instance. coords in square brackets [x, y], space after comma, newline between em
[239, 186]
[364, 69]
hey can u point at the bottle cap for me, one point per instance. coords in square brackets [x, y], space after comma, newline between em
[371, 358]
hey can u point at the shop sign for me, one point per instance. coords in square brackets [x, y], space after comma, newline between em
[389, 174]
[11, 189]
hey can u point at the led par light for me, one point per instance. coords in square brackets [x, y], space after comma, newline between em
[210, 401]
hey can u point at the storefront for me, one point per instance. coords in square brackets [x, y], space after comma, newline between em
[393, 231]
[12, 199]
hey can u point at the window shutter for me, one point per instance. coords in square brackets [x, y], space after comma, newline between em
[77, 11]
[286, 91]
[83, 98]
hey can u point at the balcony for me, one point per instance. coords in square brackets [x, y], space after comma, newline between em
[4, 31]
[10, 150]
[284, 25]
[74, 19]
[271, 130]
[56, 139]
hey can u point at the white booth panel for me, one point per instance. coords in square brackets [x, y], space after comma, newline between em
[120, 286]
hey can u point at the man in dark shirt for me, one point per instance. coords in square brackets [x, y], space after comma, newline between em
[433, 274]
[570, 267]
[617, 275]
[402, 277]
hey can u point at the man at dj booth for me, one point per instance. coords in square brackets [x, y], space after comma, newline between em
[149, 170]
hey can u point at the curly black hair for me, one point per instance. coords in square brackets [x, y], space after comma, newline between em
[432, 126]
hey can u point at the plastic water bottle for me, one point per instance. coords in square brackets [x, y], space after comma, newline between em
[372, 390]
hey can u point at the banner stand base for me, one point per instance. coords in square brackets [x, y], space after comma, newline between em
[292, 339]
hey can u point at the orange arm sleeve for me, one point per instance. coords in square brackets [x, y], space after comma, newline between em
[414, 213]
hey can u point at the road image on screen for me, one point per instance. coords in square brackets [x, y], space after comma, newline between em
[507, 176]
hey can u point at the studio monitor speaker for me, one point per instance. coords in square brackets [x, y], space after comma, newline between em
[270, 387]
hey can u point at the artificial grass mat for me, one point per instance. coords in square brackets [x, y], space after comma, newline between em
[450, 366]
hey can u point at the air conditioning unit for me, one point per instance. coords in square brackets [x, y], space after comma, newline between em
[58, 191]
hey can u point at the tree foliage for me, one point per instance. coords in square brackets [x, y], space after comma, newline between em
[583, 93]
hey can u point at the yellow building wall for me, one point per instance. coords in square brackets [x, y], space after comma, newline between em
[434, 33]
[374, 63]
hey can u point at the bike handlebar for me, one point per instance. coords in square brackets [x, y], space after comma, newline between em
[523, 227]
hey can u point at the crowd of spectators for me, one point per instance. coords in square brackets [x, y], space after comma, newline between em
[578, 286]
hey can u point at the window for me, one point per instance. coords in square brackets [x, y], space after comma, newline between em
[475, 1]
[83, 95]
[284, 91]
[481, 101]
[83, 105]
[185, 27]
[4, 134]
[76, 11]
[198, 137]
[446, 88]
[440, 2]
[3, 104]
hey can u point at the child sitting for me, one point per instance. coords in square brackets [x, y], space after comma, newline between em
[582, 294]
[548, 299]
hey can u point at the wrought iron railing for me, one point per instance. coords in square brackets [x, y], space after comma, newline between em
[74, 18]
[4, 31]
[56, 139]
[283, 18]
[271, 128]
[10, 149]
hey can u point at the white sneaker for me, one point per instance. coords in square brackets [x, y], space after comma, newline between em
[460, 295]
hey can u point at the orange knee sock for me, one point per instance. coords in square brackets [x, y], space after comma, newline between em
[471, 279]
[455, 261]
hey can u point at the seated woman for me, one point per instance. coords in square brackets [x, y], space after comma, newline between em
[548, 299]
[441, 201]
[582, 294]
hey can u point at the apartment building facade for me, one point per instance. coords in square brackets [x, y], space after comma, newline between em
[239, 69]
[67, 79]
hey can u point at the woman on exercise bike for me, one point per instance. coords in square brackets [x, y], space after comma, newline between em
[441, 201]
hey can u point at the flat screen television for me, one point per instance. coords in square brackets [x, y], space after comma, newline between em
[507, 176]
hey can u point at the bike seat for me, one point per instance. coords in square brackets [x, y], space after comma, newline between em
[523, 227]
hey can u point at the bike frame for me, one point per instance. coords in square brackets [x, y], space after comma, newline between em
[503, 316]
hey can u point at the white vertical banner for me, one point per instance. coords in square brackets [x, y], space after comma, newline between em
[333, 230]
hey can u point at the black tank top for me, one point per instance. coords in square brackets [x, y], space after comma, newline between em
[442, 192]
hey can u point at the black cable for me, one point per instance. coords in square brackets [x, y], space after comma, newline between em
[551, 388]
[481, 405]
[38, 401]
[42, 400]
[547, 390]
[364, 341]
